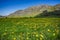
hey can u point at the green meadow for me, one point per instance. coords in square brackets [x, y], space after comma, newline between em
[29, 28]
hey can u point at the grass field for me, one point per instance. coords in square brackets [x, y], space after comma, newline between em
[29, 28]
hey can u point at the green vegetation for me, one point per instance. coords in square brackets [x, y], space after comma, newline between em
[29, 28]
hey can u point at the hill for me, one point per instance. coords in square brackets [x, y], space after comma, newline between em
[1, 16]
[34, 11]
[45, 13]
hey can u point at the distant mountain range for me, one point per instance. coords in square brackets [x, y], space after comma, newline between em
[37, 11]
[1, 16]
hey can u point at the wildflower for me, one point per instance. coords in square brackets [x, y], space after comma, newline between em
[27, 38]
[37, 39]
[19, 36]
[5, 29]
[53, 34]
[33, 35]
[37, 35]
[12, 32]
[25, 24]
[35, 29]
[57, 31]
[18, 23]
[34, 32]
[41, 38]
[49, 30]
[28, 33]
[14, 38]
[41, 35]
[56, 25]
[4, 33]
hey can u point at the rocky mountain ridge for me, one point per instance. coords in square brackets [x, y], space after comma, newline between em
[35, 10]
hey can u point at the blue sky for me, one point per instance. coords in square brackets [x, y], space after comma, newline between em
[10, 6]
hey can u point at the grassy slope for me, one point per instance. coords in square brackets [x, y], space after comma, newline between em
[29, 28]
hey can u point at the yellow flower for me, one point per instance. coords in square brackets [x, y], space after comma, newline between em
[37, 39]
[33, 35]
[53, 34]
[12, 32]
[4, 33]
[41, 38]
[28, 33]
[57, 31]
[18, 23]
[56, 25]
[35, 28]
[34, 32]
[19, 36]
[41, 35]
[14, 38]
[5, 29]
[49, 30]
[37, 35]
[27, 38]
[46, 24]
[25, 24]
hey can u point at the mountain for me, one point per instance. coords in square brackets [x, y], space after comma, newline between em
[1, 16]
[45, 13]
[34, 11]
[57, 7]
